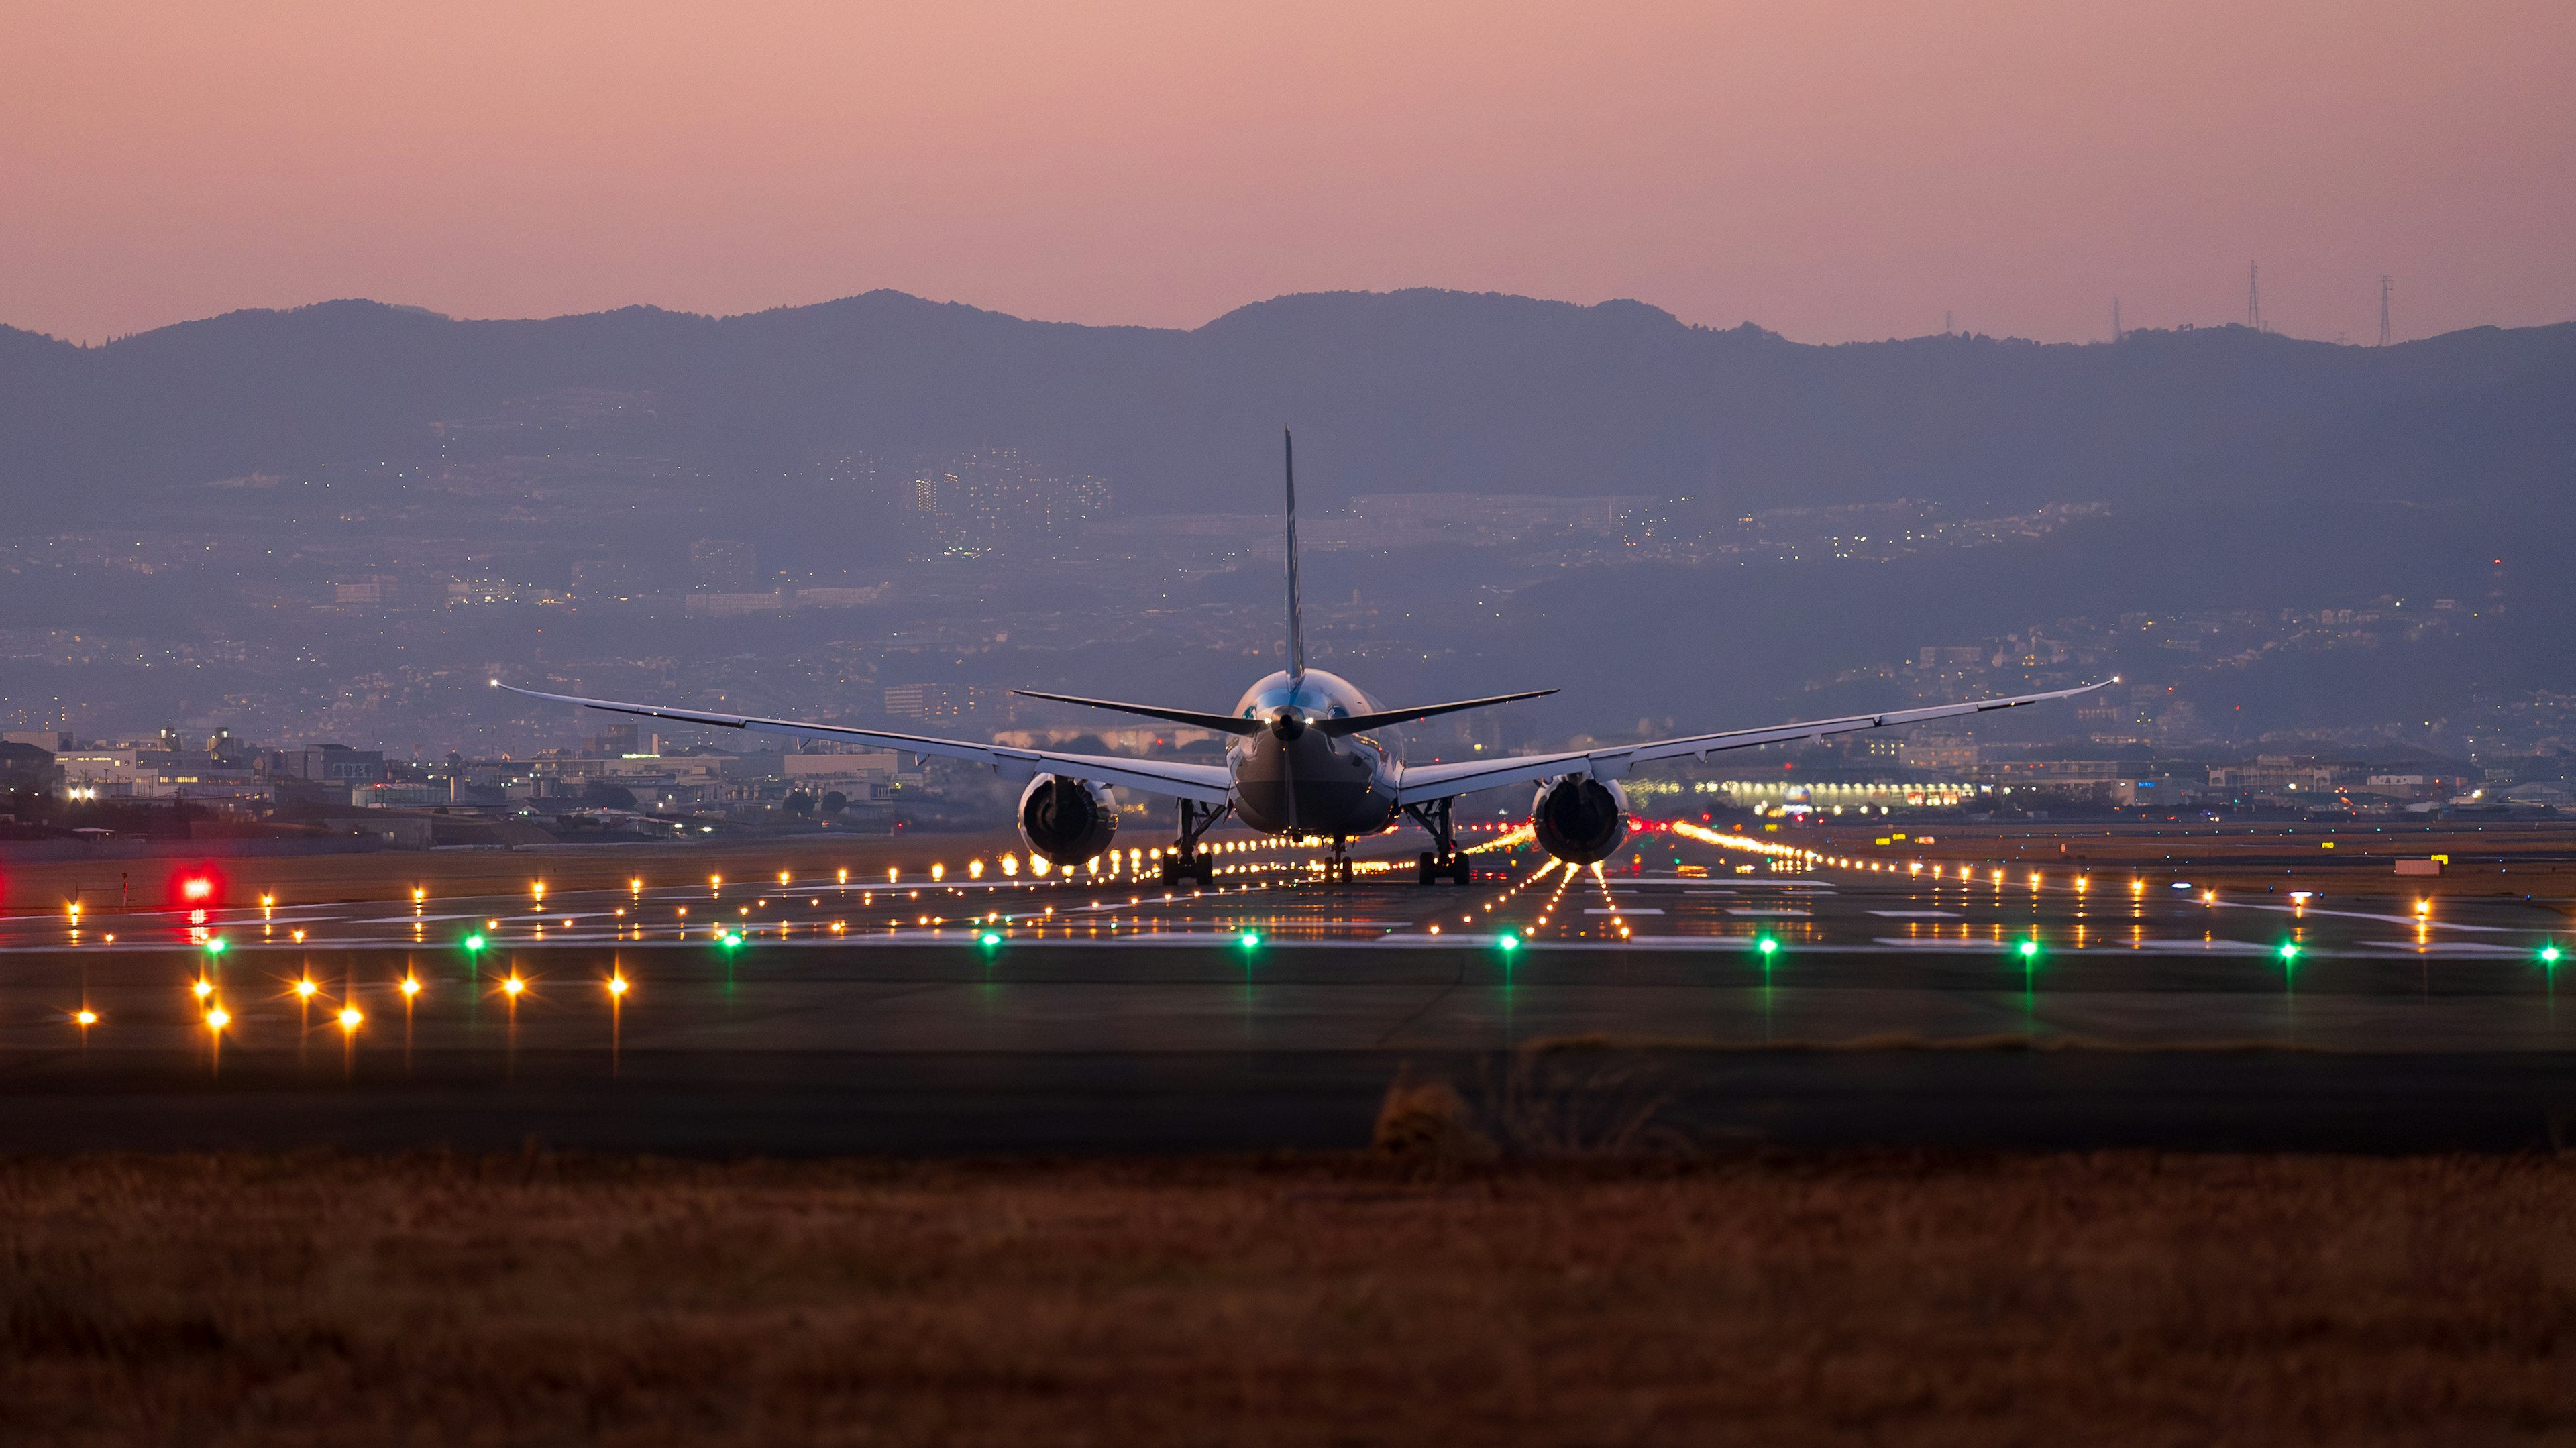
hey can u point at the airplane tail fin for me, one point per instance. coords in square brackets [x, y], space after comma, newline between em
[1296, 629]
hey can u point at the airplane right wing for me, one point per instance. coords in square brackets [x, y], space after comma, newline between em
[1420, 784]
[1198, 783]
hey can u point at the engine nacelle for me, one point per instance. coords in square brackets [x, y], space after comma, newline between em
[1067, 821]
[1579, 819]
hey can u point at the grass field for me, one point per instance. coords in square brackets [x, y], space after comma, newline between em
[1864, 1298]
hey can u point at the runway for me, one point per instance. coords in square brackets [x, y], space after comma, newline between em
[1713, 1005]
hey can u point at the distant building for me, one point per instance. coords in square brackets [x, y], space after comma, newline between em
[723, 565]
[991, 500]
[332, 764]
[736, 605]
[1935, 752]
[933, 701]
[27, 767]
[607, 578]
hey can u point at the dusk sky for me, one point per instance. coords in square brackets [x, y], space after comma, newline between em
[1834, 172]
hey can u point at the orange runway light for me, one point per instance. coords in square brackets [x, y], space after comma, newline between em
[350, 1018]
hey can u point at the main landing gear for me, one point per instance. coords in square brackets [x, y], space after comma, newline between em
[1447, 861]
[1185, 860]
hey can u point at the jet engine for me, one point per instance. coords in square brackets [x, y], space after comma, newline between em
[1067, 821]
[1579, 819]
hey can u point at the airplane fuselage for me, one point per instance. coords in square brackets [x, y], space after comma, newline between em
[1293, 778]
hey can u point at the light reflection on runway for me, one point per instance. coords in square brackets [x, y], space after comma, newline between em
[1532, 948]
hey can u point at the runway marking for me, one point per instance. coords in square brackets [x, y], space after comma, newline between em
[1773, 914]
[1597, 910]
[1918, 914]
[2363, 915]
[2445, 947]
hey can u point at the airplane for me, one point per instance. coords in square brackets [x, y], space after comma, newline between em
[1309, 757]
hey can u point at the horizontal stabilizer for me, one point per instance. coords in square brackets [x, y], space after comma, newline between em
[1221, 723]
[1386, 717]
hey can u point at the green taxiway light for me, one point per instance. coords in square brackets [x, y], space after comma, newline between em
[2549, 953]
[1508, 941]
[1766, 945]
[2289, 950]
[732, 941]
[474, 942]
[992, 939]
[215, 946]
[1252, 937]
[2029, 948]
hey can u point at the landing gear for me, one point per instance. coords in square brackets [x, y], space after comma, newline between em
[1185, 860]
[1338, 868]
[1445, 861]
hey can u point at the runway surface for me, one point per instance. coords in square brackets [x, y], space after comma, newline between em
[1708, 1005]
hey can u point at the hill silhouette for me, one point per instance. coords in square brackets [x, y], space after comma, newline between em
[1406, 391]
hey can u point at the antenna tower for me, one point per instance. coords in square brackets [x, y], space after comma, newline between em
[2115, 319]
[2383, 309]
[2254, 296]
[1945, 324]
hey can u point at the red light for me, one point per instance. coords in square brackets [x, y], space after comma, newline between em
[199, 886]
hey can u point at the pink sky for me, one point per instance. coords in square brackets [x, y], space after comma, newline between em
[1831, 171]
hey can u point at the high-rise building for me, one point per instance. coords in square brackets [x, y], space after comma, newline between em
[933, 701]
[991, 500]
[723, 565]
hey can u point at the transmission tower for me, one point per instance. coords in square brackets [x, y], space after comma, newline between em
[2383, 309]
[2254, 296]
[2115, 319]
[1945, 324]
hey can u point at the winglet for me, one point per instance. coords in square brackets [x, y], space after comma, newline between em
[1296, 631]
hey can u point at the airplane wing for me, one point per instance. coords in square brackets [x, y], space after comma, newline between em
[1199, 783]
[1420, 784]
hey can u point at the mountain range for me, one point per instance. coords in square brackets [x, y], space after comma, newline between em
[1408, 391]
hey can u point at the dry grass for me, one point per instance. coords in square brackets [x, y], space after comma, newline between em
[1851, 1298]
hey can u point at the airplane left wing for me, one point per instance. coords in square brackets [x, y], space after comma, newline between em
[1420, 784]
[1198, 783]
